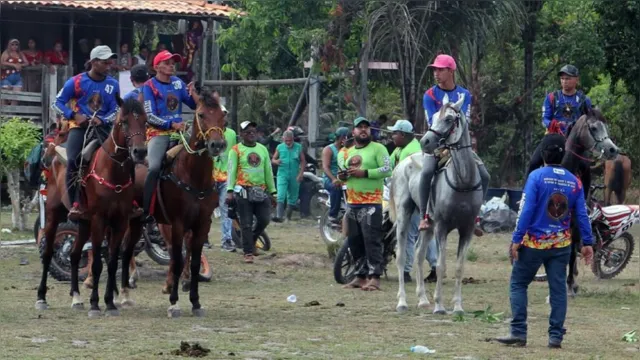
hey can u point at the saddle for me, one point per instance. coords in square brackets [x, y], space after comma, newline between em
[86, 154]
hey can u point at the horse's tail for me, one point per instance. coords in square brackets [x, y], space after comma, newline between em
[616, 184]
[392, 204]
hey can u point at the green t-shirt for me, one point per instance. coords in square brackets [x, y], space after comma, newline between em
[250, 166]
[220, 162]
[400, 154]
[375, 158]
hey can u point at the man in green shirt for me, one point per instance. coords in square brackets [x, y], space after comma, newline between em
[249, 185]
[407, 145]
[367, 165]
[220, 176]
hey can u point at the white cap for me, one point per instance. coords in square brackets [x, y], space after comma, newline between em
[246, 124]
[102, 52]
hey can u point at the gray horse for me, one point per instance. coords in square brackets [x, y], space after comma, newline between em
[456, 197]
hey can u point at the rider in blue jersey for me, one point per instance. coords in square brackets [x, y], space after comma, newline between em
[444, 67]
[551, 196]
[561, 109]
[88, 97]
[163, 97]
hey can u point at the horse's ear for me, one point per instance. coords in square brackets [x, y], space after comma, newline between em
[119, 100]
[458, 104]
[445, 99]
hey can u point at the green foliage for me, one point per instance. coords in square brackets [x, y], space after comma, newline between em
[487, 316]
[618, 28]
[17, 138]
[617, 105]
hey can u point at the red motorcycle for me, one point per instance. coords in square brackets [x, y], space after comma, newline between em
[613, 244]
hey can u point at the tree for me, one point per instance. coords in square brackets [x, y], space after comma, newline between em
[17, 138]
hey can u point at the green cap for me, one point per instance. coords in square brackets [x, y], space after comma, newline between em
[359, 120]
[342, 131]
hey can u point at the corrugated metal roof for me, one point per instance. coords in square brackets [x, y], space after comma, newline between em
[175, 7]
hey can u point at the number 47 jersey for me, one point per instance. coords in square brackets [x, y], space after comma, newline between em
[83, 95]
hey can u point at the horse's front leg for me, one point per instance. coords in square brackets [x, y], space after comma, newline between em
[177, 234]
[131, 239]
[198, 239]
[186, 271]
[165, 232]
[84, 228]
[463, 248]
[50, 229]
[97, 235]
[118, 230]
[441, 238]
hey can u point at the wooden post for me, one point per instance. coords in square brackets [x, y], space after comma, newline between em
[314, 107]
[52, 87]
[215, 53]
[71, 25]
[203, 50]
[46, 105]
[119, 38]
[234, 105]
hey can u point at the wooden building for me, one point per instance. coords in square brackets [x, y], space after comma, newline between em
[70, 20]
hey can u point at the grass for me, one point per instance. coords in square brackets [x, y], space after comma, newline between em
[5, 223]
[248, 315]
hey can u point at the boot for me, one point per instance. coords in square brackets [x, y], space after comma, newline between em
[289, 212]
[149, 186]
[279, 213]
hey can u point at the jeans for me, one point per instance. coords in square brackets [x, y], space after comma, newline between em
[157, 146]
[221, 187]
[364, 236]
[246, 210]
[412, 244]
[335, 198]
[555, 262]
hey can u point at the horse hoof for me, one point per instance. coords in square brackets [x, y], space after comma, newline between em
[166, 291]
[112, 312]
[132, 284]
[402, 309]
[77, 306]
[458, 312]
[423, 305]
[173, 312]
[198, 312]
[41, 305]
[439, 310]
[94, 313]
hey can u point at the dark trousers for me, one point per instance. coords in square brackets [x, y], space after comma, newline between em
[75, 140]
[335, 198]
[555, 262]
[246, 210]
[364, 235]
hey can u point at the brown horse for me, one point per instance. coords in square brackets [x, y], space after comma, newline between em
[588, 142]
[617, 178]
[108, 195]
[185, 199]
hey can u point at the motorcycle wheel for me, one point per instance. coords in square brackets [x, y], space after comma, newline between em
[206, 273]
[154, 250]
[263, 243]
[345, 266]
[60, 268]
[329, 232]
[618, 257]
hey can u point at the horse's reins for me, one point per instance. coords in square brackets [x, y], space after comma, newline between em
[590, 150]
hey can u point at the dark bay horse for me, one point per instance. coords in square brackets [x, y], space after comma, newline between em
[617, 178]
[588, 142]
[108, 195]
[186, 197]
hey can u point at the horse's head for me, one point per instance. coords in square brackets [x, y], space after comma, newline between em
[208, 126]
[130, 129]
[590, 133]
[447, 127]
[61, 132]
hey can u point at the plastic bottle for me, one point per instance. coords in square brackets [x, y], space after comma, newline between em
[419, 349]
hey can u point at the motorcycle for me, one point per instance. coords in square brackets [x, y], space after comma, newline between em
[610, 225]
[331, 230]
[345, 265]
[151, 242]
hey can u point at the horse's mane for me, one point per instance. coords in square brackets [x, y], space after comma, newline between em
[132, 105]
[207, 99]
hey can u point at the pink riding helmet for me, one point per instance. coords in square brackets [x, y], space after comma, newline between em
[443, 61]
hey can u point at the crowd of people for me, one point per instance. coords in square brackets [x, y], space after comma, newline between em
[244, 173]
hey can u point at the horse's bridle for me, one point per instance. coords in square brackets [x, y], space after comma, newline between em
[127, 136]
[201, 136]
[590, 150]
[442, 136]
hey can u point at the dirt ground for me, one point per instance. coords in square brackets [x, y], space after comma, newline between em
[248, 316]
